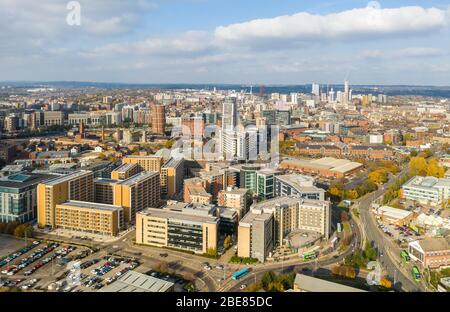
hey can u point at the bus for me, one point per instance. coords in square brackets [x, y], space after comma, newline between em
[405, 256]
[416, 274]
[240, 274]
[309, 255]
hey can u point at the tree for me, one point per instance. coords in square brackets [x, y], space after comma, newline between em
[352, 194]
[386, 283]
[227, 242]
[211, 252]
[418, 166]
[20, 230]
[434, 169]
[369, 252]
[378, 176]
[254, 287]
[268, 278]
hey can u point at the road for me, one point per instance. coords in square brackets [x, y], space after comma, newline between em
[294, 266]
[402, 279]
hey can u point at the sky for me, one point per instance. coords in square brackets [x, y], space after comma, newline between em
[227, 41]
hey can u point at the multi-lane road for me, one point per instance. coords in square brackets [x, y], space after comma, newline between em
[387, 249]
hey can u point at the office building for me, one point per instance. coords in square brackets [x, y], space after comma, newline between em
[146, 163]
[76, 186]
[248, 176]
[18, 197]
[299, 186]
[265, 187]
[139, 192]
[431, 252]
[427, 190]
[125, 171]
[89, 217]
[158, 119]
[178, 226]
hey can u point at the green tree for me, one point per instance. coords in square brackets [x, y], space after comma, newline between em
[369, 252]
[227, 242]
[268, 278]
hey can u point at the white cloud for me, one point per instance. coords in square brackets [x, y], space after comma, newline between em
[357, 23]
[418, 52]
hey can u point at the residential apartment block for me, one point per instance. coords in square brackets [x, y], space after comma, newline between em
[125, 171]
[281, 215]
[146, 163]
[76, 186]
[172, 174]
[90, 217]
[137, 193]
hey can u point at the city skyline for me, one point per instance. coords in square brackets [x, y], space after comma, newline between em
[267, 42]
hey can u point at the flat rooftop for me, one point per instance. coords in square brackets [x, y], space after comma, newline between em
[90, 205]
[313, 284]
[173, 162]
[326, 163]
[178, 215]
[393, 212]
[139, 177]
[22, 180]
[105, 180]
[68, 177]
[435, 244]
[125, 167]
[296, 180]
[137, 282]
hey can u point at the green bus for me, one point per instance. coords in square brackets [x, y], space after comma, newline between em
[416, 274]
[309, 256]
[405, 256]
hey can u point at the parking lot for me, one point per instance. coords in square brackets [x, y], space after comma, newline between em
[93, 273]
[36, 263]
[401, 235]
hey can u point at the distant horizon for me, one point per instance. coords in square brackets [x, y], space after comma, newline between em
[221, 83]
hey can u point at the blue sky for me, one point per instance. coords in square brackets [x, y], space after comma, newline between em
[228, 41]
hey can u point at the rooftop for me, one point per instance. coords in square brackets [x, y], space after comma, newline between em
[178, 215]
[137, 282]
[313, 284]
[68, 177]
[393, 212]
[435, 244]
[427, 182]
[125, 167]
[22, 180]
[90, 205]
[139, 177]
